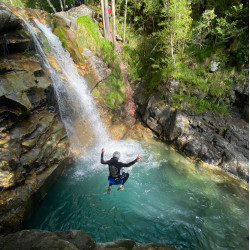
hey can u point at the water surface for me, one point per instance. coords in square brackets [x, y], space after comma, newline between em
[167, 199]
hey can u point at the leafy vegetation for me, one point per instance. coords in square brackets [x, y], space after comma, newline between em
[89, 37]
[204, 32]
[172, 39]
[112, 88]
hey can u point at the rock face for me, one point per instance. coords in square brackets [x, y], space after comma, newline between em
[8, 21]
[211, 138]
[71, 240]
[33, 141]
[99, 69]
[72, 14]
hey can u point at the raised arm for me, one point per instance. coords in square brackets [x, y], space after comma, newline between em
[126, 165]
[102, 161]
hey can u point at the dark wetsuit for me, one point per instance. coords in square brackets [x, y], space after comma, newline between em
[114, 170]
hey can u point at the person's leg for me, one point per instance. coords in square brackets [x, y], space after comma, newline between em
[109, 188]
[124, 180]
[110, 185]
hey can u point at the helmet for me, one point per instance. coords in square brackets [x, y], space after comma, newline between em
[116, 155]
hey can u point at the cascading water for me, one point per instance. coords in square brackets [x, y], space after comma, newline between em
[167, 199]
[75, 102]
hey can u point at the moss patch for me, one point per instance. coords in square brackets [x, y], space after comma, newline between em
[113, 91]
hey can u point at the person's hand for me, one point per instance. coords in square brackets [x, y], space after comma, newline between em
[103, 150]
[138, 158]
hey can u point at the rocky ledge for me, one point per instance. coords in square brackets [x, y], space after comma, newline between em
[71, 240]
[33, 141]
[221, 141]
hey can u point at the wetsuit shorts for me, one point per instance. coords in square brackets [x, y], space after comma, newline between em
[116, 181]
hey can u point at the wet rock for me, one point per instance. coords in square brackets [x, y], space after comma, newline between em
[211, 138]
[78, 238]
[33, 141]
[37, 239]
[8, 21]
[71, 239]
[130, 244]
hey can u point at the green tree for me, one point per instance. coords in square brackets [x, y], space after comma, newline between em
[203, 27]
[175, 27]
[231, 24]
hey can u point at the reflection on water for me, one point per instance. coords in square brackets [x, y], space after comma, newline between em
[167, 199]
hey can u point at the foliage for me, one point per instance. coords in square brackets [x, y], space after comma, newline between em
[39, 4]
[19, 3]
[113, 90]
[229, 29]
[203, 27]
[175, 27]
[195, 32]
[199, 105]
[89, 37]
[221, 32]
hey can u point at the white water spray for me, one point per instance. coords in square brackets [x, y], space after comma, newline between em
[73, 95]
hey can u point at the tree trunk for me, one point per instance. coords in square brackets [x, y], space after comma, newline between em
[171, 33]
[125, 17]
[171, 44]
[51, 6]
[113, 19]
[11, 2]
[61, 5]
[106, 18]
[103, 19]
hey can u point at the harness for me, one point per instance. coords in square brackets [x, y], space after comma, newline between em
[118, 180]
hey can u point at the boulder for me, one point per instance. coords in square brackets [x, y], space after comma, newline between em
[130, 244]
[99, 69]
[8, 21]
[70, 16]
[38, 239]
[214, 66]
[71, 239]
[81, 10]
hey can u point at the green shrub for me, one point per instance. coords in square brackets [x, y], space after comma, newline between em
[88, 36]
[113, 90]
[199, 105]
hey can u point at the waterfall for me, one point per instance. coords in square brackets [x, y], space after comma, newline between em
[76, 104]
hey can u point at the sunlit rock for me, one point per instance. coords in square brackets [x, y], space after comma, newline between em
[211, 138]
[99, 68]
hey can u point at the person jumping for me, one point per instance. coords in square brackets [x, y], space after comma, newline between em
[115, 178]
